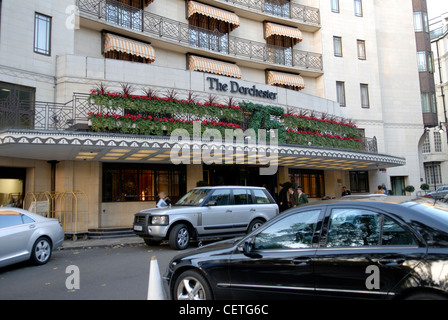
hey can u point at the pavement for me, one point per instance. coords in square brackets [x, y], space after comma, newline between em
[107, 242]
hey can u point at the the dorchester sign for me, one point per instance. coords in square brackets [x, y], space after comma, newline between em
[235, 87]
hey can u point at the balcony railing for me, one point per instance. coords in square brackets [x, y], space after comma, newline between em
[282, 8]
[153, 25]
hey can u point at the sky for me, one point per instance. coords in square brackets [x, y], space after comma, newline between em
[436, 7]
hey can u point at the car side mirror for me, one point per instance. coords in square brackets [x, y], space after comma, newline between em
[246, 248]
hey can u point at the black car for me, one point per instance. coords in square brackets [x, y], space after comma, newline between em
[362, 249]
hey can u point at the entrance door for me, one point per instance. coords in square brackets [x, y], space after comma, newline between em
[12, 186]
[398, 186]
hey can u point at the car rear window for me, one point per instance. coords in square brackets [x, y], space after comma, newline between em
[260, 197]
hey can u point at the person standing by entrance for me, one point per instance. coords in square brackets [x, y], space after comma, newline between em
[302, 198]
[282, 198]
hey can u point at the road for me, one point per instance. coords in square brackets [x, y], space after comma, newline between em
[119, 272]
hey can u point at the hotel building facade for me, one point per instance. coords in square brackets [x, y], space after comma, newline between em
[90, 91]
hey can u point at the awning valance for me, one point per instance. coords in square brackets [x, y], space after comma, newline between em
[212, 12]
[113, 42]
[196, 63]
[272, 29]
[286, 79]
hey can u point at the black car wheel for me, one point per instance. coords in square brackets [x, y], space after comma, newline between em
[191, 285]
[41, 252]
[179, 237]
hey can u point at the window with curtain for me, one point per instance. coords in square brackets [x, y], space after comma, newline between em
[365, 96]
[340, 92]
[335, 6]
[209, 33]
[358, 8]
[361, 44]
[428, 102]
[337, 45]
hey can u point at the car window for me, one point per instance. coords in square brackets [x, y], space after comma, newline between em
[10, 220]
[242, 196]
[260, 196]
[221, 197]
[354, 228]
[394, 234]
[293, 232]
[27, 219]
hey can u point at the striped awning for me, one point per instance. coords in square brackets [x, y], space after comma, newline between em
[277, 29]
[287, 79]
[196, 63]
[212, 12]
[113, 42]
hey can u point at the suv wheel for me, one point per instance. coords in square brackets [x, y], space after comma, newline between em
[179, 237]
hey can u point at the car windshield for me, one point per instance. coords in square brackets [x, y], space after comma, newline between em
[194, 197]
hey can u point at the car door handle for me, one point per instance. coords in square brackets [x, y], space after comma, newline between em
[395, 261]
[228, 211]
[301, 261]
[253, 210]
[32, 226]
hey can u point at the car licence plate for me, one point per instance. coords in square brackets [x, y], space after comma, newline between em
[138, 228]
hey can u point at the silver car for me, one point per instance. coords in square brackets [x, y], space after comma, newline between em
[27, 236]
[207, 212]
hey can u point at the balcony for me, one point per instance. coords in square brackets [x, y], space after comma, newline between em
[159, 28]
[308, 17]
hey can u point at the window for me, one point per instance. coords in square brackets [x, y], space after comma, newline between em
[359, 228]
[361, 44]
[126, 182]
[242, 196]
[365, 96]
[124, 15]
[358, 8]
[335, 6]
[359, 181]
[340, 91]
[277, 8]
[10, 220]
[425, 61]
[353, 228]
[426, 144]
[437, 142]
[260, 197]
[337, 45]
[311, 181]
[293, 232]
[42, 34]
[221, 197]
[209, 33]
[421, 22]
[433, 173]
[428, 102]
[395, 235]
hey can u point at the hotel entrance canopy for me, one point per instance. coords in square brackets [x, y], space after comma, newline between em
[106, 147]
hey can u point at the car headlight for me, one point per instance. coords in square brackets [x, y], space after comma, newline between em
[160, 220]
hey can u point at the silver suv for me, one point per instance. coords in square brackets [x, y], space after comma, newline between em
[207, 212]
